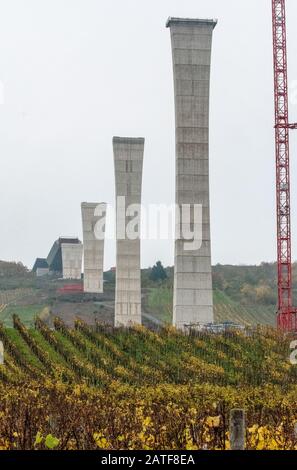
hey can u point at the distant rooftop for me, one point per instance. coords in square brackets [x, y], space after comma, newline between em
[128, 140]
[91, 204]
[68, 240]
[193, 21]
[40, 263]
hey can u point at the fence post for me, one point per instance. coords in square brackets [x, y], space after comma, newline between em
[237, 429]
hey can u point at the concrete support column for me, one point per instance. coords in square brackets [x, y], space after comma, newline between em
[93, 222]
[128, 162]
[72, 260]
[191, 41]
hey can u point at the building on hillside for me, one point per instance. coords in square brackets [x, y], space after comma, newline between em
[53, 264]
[54, 258]
[40, 267]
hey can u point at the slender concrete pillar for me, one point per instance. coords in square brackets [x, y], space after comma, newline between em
[72, 260]
[128, 161]
[93, 222]
[191, 41]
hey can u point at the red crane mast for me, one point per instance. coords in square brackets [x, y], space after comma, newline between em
[286, 315]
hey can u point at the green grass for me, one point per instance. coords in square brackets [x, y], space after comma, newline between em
[226, 309]
[26, 313]
[45, 345]
[159, 304]
[24, 349]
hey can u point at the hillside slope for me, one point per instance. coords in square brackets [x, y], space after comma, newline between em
[158, 302]
[226, 309]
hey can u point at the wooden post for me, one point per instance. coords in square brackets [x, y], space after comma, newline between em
[295, 430]
[53, 423]
[237, 429]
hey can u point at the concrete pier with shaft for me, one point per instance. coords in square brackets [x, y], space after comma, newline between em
[191, 41]
[128, 163]
[72, 260]
[93, 223]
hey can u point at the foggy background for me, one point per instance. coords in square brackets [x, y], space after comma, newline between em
[77, 72]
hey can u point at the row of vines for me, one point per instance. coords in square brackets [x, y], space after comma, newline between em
[137, 356]
[96, 387]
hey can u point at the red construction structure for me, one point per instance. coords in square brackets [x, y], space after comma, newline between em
[71, 289]
[287, 314]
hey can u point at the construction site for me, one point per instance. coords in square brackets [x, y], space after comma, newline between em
[112, 341]
[191, 41]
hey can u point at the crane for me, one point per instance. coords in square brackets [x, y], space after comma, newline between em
[286, 314]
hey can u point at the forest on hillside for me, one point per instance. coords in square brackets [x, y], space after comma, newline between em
[247, 285]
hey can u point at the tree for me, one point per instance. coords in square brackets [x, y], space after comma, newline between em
[11, 269]
[158, 273]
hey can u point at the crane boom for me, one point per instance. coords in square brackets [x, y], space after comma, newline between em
[286, 318]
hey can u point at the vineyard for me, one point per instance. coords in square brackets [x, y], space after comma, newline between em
[159, 302]
[88, 388]
[226, 309]
[7, 296]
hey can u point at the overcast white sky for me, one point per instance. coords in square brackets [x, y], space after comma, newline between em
[77, 72]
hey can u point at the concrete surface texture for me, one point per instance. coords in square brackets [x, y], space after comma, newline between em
[128, 163]
[42, 272]
[191, 41]
[72, 260]
[93, 219]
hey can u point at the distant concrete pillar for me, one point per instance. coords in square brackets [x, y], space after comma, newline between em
[93, 222]
[191, 41]
[72, 260]
[128, 161]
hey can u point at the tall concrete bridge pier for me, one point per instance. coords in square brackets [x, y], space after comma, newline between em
[93, 222]
[72, 260]
[191, 41]
[128, 163]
